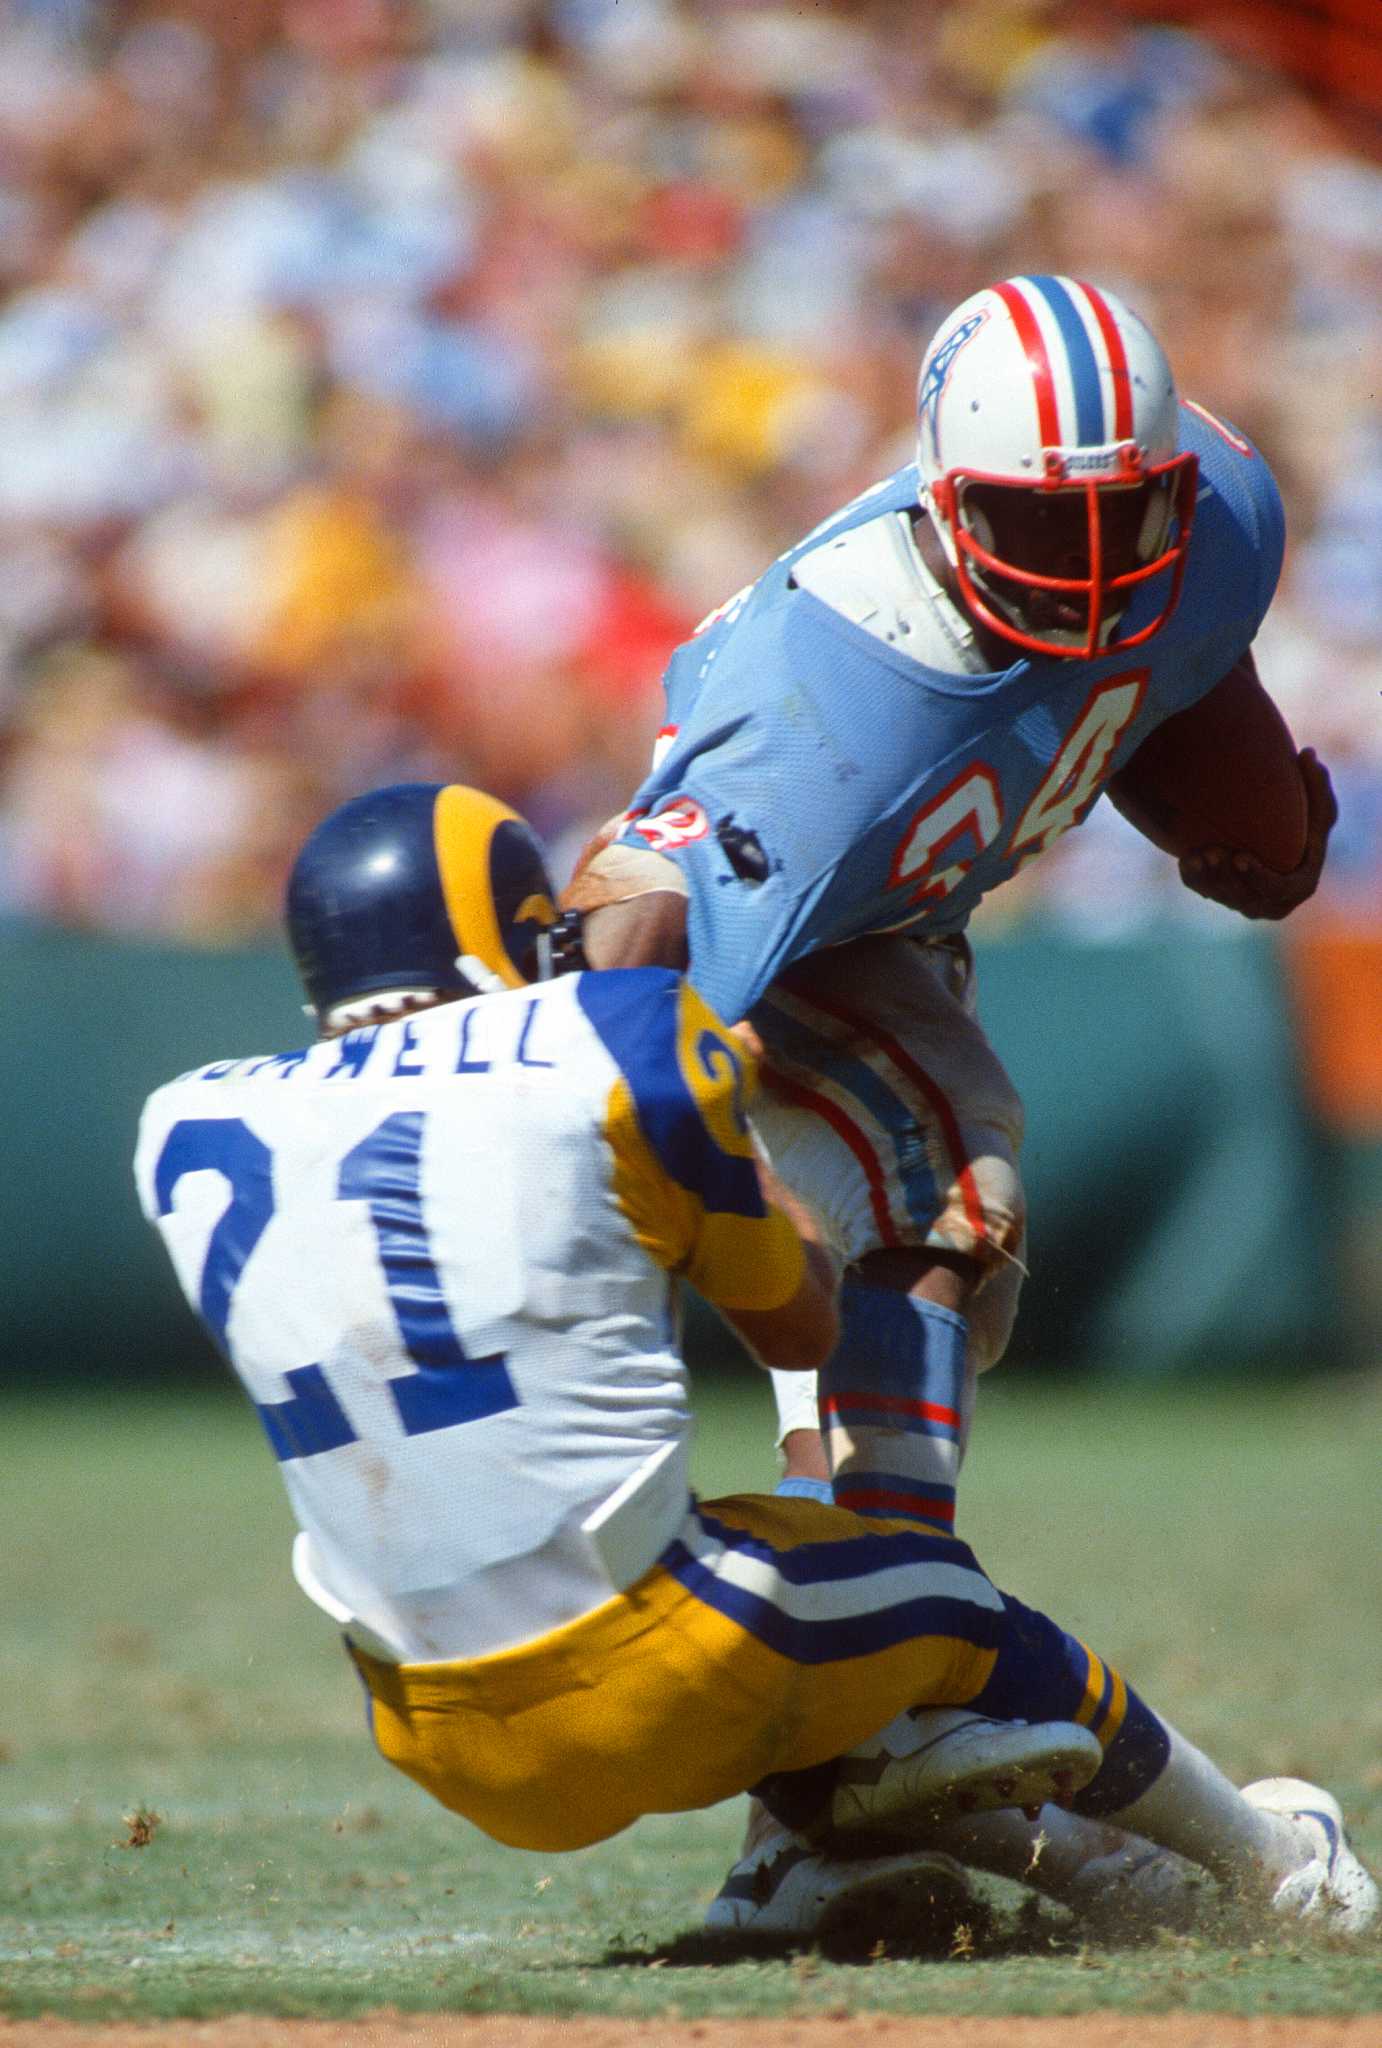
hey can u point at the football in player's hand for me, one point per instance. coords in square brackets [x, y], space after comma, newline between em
[1223, 773]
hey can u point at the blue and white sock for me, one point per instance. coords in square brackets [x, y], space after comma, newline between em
[890, 1405]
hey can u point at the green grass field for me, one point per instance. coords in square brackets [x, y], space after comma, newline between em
[159, 1661]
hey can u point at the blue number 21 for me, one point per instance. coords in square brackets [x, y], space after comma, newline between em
[447, 1385]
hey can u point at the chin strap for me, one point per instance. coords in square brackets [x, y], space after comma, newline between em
[483, 980]
[560, 950]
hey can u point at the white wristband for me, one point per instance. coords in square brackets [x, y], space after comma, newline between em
[795, 1394]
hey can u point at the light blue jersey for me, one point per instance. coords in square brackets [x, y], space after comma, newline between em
[823, 783]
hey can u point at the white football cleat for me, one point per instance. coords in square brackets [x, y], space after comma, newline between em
[785, 1888]
[1330, 1884]
[938, 1763]
[1120, 1888]
[1134, 1892]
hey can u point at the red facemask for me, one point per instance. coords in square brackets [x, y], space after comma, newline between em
[1052, 566]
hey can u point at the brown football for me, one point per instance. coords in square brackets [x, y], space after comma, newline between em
[1223, 773]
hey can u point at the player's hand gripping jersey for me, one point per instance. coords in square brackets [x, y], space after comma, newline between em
[450, 1301]
[822, 782]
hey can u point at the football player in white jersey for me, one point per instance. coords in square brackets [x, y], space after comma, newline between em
[440, 1249]
[913, 702]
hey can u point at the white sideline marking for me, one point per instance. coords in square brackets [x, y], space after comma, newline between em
[339, 1948]
[191, 1812]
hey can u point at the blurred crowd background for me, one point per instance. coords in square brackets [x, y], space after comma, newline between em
[388, 385]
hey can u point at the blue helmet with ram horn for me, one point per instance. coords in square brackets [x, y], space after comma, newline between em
[418, 892]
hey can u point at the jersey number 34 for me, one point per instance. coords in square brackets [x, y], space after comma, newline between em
[969, 811]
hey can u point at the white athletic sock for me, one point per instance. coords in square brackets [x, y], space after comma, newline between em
[1194, 1809]
[1049, 1852]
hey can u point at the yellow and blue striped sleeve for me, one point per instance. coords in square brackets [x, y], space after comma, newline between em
[677, 1125]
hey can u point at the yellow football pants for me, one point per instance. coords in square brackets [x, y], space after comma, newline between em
[771, 1635]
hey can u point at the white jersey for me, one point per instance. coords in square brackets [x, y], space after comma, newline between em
[438, 1253]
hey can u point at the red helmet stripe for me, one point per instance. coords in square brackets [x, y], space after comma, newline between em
[1117, 362]
[1038, 360]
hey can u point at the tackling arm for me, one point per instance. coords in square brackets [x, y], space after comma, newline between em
[632, 904]
[800, 1335]
[688, 1177]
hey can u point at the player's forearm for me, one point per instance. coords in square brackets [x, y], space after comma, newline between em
[644, 931]
[633, 907]
[799, 1336]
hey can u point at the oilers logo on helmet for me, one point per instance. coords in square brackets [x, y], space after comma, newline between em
[936, 369]
[410, 886]
[1053, 389]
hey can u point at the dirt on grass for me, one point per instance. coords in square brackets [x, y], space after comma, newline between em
[843, 2030]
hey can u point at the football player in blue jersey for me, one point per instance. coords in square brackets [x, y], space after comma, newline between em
[908, 706]
[439, 1247]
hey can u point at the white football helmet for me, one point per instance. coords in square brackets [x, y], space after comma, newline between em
[1049, 458]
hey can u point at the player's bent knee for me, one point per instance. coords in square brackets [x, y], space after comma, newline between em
[991, 1311]
[986, 1295]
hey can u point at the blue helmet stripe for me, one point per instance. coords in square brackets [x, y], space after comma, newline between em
[1084, 367]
